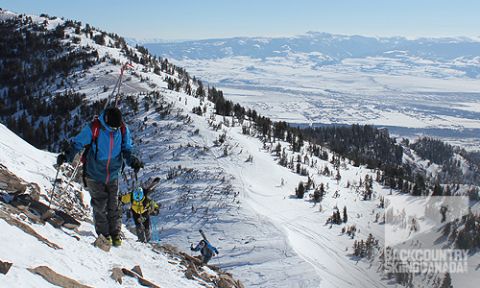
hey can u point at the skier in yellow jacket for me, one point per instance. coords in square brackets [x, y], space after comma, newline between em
[142, 207]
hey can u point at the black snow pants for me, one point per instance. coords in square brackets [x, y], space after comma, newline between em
[107, 214]
[142, 225]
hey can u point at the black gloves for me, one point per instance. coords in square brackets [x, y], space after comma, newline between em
[191, 247]
[61, 158]
[136, 164]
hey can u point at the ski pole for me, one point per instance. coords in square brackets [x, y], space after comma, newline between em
[73, 174]
[54, 186]
[68, 183]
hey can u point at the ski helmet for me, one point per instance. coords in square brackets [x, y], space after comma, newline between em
[138, 194]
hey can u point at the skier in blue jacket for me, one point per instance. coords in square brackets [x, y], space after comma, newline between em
[107, 142]
[206, 249]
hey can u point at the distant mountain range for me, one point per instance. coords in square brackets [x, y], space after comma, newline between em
[326, 48]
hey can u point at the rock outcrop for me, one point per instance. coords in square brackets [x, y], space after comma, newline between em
[55, 278]
[193, 268]
[5, 267]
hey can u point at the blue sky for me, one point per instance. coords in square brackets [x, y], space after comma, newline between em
[201, 19]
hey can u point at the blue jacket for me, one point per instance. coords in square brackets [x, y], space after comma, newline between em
[207, 250]
[111, 151]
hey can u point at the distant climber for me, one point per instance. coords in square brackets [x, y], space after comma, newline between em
[108, 145]
[141, 208]
[206, 249]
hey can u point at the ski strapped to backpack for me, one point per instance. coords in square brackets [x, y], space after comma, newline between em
[209, 245]
[118, 84]
[95, 126]
[203, 235]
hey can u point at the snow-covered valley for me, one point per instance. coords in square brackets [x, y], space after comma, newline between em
[320, 78]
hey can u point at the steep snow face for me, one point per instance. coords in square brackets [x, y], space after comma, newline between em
[200, 190]
[265, 237]
[77, 258]
[26, 161]
[303, 221]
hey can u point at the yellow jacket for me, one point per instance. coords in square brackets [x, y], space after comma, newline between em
[140, 207]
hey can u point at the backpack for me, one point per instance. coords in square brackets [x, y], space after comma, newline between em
[95, 126]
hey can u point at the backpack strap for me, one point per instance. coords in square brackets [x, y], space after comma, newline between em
[95, 126]
[123, 130]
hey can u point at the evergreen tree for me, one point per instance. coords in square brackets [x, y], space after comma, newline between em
[338, 176]
[437, 190]
[419, 186]
[200, 91]
[368, 183]
[300, 191]
[337, 219]
[448, 191]
[278, 149]
[319, 193]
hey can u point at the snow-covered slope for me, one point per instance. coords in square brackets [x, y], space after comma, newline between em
[229, 184]
[266, 236]
[76, 257]
[26, 161]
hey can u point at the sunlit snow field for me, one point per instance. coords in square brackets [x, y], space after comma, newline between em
[440, 99]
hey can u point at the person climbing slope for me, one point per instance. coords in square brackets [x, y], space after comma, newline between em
[206, 250]
[141, 208]
[108, 144]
